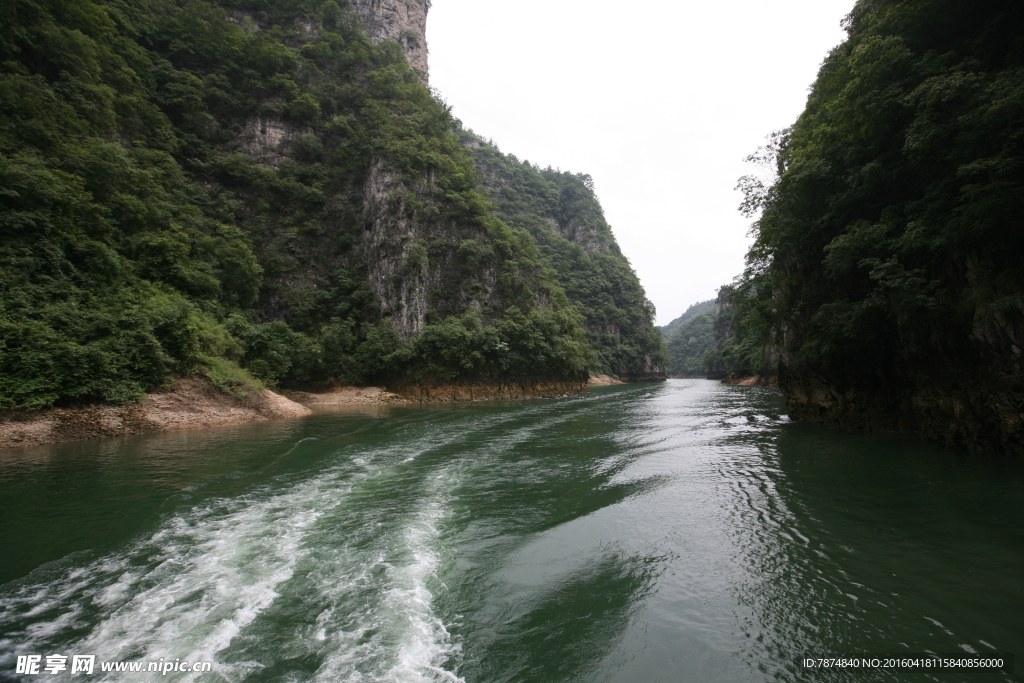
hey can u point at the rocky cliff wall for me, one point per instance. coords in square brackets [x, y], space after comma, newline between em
[722, 330]
[403, 21]
[562, 213]
[979, 407]
[412, 263]
[740, 353]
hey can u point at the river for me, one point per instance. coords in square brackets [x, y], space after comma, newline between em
[684, 531]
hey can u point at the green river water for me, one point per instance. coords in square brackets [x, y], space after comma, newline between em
[684, 531]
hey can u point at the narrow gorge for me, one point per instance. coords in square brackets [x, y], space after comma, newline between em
[305, 380]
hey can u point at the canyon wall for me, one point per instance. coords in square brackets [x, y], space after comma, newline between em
[403, 21]
[275, 198]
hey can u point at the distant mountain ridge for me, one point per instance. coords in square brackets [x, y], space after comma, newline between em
[669, 330]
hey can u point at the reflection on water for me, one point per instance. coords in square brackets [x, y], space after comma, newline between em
[883, 542]
[677, 532]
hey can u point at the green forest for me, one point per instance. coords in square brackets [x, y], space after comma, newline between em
[691, 340]
[668, 331]
[561, 212]
[253, 191]
[886, 262]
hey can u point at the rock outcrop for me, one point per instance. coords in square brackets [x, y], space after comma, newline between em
[410, 260]
[342, 395]
[403, 21]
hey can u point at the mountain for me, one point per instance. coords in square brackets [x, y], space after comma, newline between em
[689, 347]
[689, 338]
[710, 341]
[252, 189]
[668, 331]
[886, 260]
[561, 212]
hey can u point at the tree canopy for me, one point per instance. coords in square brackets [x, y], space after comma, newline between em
[887, 252]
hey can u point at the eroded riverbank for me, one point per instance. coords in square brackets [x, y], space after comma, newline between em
[194, 404]
[189, 404]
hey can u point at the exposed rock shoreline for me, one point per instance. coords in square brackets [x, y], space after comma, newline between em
[194, 404]
[502, 391]
[191, 404]
[766, 381]
[964, 412]
[603, 381]
[338, 396]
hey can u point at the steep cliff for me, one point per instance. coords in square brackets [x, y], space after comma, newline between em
[562, 214]
[193, 187]
[887, 257]
[742, 351]
[403, 21]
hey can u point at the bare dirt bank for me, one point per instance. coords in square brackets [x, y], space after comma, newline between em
[752, 381]
[493, 391]
[603, 381]
[338, 396]
[192, 404]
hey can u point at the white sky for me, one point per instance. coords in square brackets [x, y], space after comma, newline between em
[658, 101]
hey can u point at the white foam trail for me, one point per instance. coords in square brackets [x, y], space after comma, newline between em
[394, 634]
[183, 592]
[426, 641]
[191, 588]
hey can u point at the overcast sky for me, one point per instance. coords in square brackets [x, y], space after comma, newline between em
[659, 101]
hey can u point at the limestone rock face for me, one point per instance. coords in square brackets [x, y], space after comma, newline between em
[404, 21]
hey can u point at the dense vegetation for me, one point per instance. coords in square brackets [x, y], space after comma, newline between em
[710, 340]
[888, 249]
[183, 189]
[693, 338]
[561, 212]
[668, 331]
[690, 340]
